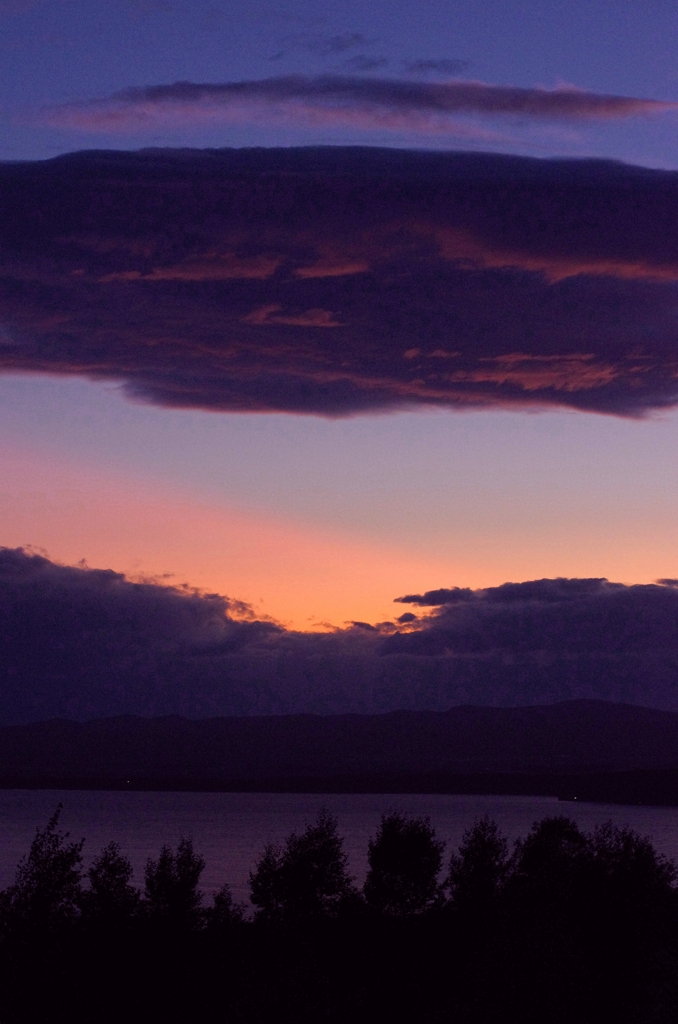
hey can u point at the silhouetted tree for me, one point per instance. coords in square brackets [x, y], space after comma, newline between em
[547, 944]
[224, 911]
[110, 899]
[47, 892]
[171, 894]
[631, 900]
[629, 864]
[267, 883]
[306, 878]
[404, 859]
[549, 866]
[573, 928]
[478, 870]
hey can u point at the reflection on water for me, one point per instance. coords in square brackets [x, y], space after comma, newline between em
[231, 829]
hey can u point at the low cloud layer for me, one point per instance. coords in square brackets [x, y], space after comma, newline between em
[367, 102]
[83, 643]
[560, 615]
[334, 281]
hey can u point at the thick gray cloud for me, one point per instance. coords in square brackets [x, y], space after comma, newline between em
[84, 643]
[561, 615]
[335, 281]
[77, 640]
[536, 590]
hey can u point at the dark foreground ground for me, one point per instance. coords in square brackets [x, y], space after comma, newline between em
[565, 928]
[476, 972]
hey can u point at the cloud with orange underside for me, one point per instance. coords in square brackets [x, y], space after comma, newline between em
[464, 245]
[574, 372]
[332, 269]
[273, 314]
[340, 281]
[361, 102]
[212, 267]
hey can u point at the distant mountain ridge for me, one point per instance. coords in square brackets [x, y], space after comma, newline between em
[581, 736]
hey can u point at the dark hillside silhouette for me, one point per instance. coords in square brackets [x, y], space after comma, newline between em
[574, 736]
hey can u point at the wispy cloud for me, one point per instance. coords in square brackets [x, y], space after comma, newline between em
[331, 46]
[321, 44]
[427, 66]
[273, 314]
[363, 63]
[361, 101]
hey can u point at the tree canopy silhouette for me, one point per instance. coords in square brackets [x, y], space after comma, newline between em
[171, 893]
[47, 891]
[111, 898]
[224, 911]
[479, 869]
[305, 878]
[572, 927]
[405, 859]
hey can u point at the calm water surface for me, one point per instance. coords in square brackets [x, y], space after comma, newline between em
[231, 829]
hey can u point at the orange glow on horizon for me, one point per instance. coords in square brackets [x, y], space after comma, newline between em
[304, 575]
[297, 575]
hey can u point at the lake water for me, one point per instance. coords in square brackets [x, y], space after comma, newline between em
[231, 829]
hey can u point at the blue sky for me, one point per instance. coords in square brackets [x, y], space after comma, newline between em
[65, 51]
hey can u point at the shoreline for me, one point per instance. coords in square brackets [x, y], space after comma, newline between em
[650, 787]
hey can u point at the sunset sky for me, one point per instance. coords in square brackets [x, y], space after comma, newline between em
[549, 448]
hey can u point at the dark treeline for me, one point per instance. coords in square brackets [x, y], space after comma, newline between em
[566, 926]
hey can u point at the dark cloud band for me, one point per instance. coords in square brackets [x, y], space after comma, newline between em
[549, 615]
[85, 643]
[334, 281]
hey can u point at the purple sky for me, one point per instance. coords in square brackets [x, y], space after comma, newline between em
[316, 519]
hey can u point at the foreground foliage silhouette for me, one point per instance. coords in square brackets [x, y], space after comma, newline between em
[405, 860]
[565, 927]
[306, 879]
